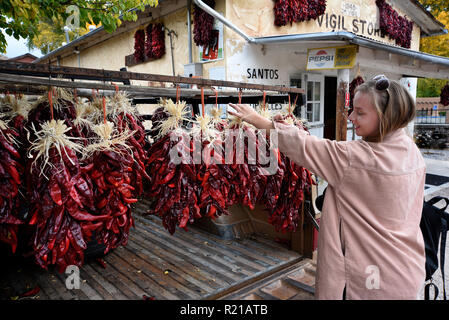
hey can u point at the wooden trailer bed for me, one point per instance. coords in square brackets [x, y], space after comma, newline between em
[187, 265]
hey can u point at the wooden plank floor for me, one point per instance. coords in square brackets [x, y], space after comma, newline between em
[187, 265]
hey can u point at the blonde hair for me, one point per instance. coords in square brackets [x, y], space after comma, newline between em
[395, 106]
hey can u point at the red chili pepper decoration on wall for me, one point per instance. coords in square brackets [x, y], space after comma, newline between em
[149, 41]
[354, 84]
[444, 96]
[394, 26]
[289, 11]
[139, 45]
[157, 41]
[203, 24]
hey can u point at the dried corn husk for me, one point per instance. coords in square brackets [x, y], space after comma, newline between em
[177, 113]
[204, 127]
[60, 96]
[51, 135]
[109, 139]
[118, 104]
[86, 115]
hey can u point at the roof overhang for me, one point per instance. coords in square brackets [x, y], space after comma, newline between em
[419, 64]
[99, 34]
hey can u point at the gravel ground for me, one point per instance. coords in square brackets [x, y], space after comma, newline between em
[438, 154]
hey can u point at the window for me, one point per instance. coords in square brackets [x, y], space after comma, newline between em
[313, 110]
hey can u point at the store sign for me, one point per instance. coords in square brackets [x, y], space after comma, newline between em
[331, 58]
[262, 73]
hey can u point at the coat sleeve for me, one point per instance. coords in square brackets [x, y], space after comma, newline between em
[326, 158]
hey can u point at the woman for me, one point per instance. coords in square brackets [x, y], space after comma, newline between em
[370, 245]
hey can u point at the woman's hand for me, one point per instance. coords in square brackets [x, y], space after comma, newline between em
[248, 114]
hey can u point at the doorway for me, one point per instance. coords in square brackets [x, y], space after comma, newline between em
[330, 106]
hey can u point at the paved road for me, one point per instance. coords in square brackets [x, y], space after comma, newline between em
[437, 162]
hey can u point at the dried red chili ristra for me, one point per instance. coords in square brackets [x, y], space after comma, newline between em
[60, 203]
[139, 45]
[444, 95]
[203, 24]
[295, 182]
[157, 41]
[354, 84]
[10, 181]
[137, 143]
[114, 195]
[148, 42]
[393, 25]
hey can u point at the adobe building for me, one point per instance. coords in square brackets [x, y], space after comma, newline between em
[321, 54]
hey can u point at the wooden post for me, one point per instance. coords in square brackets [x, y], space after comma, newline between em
[341, 114]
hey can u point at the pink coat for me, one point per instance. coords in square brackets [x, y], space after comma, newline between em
[369, 239]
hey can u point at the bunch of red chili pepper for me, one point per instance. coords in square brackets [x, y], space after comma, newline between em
[392, 24]
[10, 181]
[444, 95]
[110, 173]
[285, 213]
[61, 202]
[139, 45]
[354, 84]
[188, 191]
[173, 186]
[137, 143]
[73, 202]
[157, 41]
[289, 11]
[203, 24]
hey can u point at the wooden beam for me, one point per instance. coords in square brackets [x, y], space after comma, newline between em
[46, 70]
[131, 61]
[141, 94]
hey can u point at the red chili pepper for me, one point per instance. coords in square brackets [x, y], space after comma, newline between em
[212, 211]
[55, 193]
[13, 173]
[185, 217]
[34, 217]
[128, 200]
[31, 292]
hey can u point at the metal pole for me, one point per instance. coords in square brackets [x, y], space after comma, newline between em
[189, 29]
[170, 33]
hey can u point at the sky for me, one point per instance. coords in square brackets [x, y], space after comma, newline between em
[18, 47]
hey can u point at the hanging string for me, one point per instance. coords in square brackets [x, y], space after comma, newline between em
[296, 99]
[50, 101]
[202, 101]
[177, 93]
[240, 96]
[116, 87]
[264, 97]
[104, 109]
[216, 97]
[75, 96]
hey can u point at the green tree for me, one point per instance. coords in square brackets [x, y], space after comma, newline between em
[438, 45]
[50, 35]
[22, 18]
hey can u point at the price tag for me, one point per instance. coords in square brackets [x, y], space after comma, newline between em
[347, 99]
